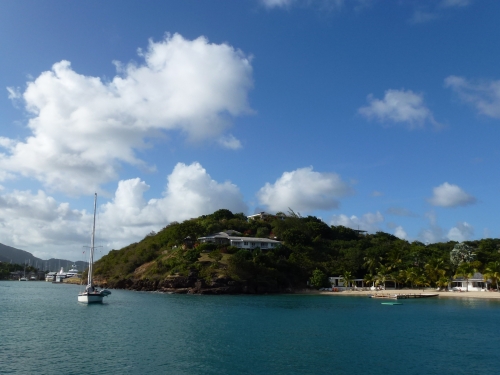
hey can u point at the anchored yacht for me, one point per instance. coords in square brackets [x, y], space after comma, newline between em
[72, 272]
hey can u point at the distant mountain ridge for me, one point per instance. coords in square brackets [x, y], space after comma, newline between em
[10, 254]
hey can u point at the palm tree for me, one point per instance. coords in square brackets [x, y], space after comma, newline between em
[382, 275]
[347, 278]
[369, 279]
[411, 274]
[466, 270]
[394, 260]
[493, 273]
[443, 282]
[398, 277]
[372, 263]
[403, 276]
[422, 281]
[435, 269]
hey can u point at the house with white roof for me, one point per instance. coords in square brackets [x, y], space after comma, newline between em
[260, 216]
[476, 283]
[231, 238]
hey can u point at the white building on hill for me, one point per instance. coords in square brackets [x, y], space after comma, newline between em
[259, 216]
[230, 238]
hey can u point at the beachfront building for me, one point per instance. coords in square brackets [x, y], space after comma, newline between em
[338, 282]
[475, 284]
[233, 238]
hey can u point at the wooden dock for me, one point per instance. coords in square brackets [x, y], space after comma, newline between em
[404, 296]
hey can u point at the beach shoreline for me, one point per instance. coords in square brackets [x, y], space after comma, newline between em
[444, 294]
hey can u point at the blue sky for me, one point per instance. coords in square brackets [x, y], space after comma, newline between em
[382, 115]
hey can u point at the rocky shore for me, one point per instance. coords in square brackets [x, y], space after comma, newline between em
[193, 285]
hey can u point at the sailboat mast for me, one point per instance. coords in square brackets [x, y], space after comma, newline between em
[91, 264]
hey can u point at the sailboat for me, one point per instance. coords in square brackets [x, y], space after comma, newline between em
[24, 277]
[92, 294]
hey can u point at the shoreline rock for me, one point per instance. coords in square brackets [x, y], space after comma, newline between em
[193, 285]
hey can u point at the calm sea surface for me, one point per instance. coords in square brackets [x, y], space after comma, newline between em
[44, 330]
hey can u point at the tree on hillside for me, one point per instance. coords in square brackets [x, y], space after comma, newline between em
[394, 259]
[215, 255]
[462, 253]
[222, 214]
[372, 263]
[492, 272]
[318, 279]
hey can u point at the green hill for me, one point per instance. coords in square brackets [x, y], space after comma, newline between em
[10, 254]
[310, 251]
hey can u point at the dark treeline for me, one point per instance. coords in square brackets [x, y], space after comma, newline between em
[7, 268]
[311, 251]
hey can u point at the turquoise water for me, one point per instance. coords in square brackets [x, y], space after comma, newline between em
[44, 330]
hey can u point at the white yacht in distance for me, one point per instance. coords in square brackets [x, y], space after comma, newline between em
[60, 276]
[72, 272]
[91, 293]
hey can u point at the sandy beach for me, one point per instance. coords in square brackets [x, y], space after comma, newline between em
[442, 294]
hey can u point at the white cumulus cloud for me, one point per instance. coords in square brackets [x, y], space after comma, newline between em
[39, 224]
[399, 107]
[462, 232]
[369, 221]
[304, 190]
[83, 128]
[190, 192]
[434, 233]
[484, 95]
[448, 195]
[230, 141]
[400, 233]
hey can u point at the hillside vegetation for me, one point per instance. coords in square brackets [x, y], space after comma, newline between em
[311, 250]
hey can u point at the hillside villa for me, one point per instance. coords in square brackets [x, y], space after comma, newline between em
[233, 238]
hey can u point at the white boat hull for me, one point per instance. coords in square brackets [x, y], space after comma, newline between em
[90, 298]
